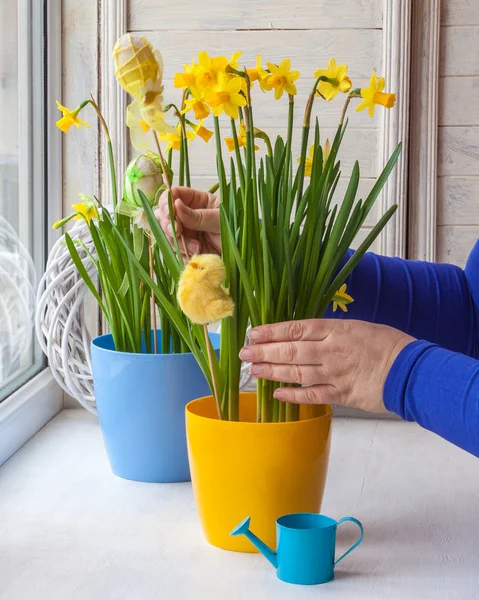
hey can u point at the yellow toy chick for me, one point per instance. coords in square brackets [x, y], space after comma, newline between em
[200, 293]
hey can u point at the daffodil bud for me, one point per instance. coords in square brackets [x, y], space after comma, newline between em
[143, 174]
[136, 63]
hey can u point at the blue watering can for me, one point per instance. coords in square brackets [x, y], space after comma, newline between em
[306, 544]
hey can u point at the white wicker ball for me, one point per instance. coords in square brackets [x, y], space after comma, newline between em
[60, 317]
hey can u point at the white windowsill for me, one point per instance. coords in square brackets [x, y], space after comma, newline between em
[26, 411]
[70, 529]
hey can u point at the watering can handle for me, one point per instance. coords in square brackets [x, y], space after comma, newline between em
[361, 532]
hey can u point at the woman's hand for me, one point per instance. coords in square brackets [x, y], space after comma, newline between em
[341, 361]
[197, 216]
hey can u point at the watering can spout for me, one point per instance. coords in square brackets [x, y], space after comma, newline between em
[243, 529]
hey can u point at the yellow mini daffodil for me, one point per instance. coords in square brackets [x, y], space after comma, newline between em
[200, 131]
[374, 95]
[337, 80]
[187, 79]
[69, 118]
[173, 140]
[234, 60]
[199, 107]
[85, 210]
[308, 165]
[258, 73]
[226, 96]
[281, 79]
[342, 299]
[209, 69]
[242, 139]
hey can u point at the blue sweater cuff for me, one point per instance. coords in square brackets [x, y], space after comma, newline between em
[439, 390]
[398, 378]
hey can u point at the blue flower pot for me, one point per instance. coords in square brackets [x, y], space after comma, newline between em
[141, 401]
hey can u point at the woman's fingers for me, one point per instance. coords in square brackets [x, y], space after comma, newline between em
[294, 331]
[300, 374]
[315, 394]
[192, 198]
[198, 219]
[195, 199]
[289, 353]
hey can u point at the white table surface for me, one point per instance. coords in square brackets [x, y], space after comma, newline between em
[70, 530]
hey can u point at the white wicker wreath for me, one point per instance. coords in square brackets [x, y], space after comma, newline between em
[60, 317]
[61, 323]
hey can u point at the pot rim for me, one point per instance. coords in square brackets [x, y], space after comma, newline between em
[214, 337]
[327, 414]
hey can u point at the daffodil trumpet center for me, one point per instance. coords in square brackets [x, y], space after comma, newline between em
[219, 98]
[386, 100]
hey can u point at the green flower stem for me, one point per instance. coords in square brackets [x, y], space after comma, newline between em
[219, 159]
[184, 157]
[181, 175]
[301, 168]
[290, 125]
[165, 333]
[239, 162]
[170, 201]
[292, 412]
[352, 95]
[111, 160]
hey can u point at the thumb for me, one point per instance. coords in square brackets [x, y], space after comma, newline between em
[200, 219]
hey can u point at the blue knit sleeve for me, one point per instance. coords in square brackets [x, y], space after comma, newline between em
[433, 302]
[434, 381]
[439, 390]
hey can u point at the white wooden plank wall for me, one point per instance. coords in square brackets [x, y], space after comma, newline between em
[80, 79]
[308, 32]
[458, 135]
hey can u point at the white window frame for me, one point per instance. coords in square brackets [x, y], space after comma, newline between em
[28, 409]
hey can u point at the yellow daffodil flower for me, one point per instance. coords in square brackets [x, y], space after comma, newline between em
[202, 132]
[174, 139]
[69, 118]
[209, 69]
[233, 61]
[139, 129]
[258, 73]
[342, 299]
[85, 210]
[374, 95]
[242, 139]
[338, 81]
[187, 79]
[199, 107]
[281, 78]
[226, 96]
[308, 165]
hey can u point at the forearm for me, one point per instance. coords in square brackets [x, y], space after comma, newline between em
[439, 390]
[428, 301]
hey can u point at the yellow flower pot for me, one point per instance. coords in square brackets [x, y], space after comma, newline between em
[261, 470]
